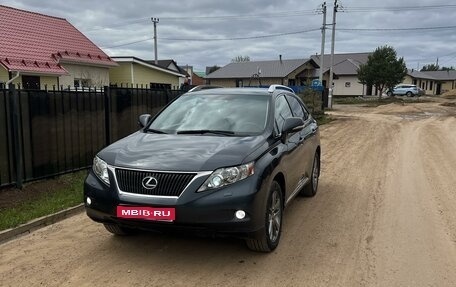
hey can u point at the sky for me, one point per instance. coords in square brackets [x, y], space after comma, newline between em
[202, 33]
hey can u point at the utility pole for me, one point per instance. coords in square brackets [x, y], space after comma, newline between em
[323, 39]
[332, 55]
[155, 21]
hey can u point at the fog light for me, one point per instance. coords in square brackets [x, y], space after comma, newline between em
[240, 214]
[88, 201]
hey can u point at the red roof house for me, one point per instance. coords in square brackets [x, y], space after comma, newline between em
[48, 50]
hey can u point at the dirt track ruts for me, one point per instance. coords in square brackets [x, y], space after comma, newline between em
[385, 215]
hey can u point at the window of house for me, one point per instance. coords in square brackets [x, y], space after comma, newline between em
[31, 82]
[430, 85]
[347, 84]
[82, 83]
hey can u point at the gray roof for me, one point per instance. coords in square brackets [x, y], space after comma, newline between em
[419, 75]
[433, 75]
[347, 64]
[441, 75]
[269, 69]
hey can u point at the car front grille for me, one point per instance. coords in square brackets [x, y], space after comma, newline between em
[168, 184]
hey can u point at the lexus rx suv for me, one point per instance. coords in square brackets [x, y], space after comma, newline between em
[227, 161]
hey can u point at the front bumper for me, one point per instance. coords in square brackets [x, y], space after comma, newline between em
[209, 210]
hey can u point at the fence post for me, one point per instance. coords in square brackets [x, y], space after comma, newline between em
[16, 126]
[107, 106]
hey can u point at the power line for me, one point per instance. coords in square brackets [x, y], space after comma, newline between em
[242, 38]
[280, 34]
[216, 39]
[272, 15]
[120, 24]
[128, 43]
[248, 16]
[397, 29]
[282, 14]
[398, 8]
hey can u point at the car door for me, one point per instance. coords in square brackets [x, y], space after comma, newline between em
[306, 146]
[290, 156]
[400, 90]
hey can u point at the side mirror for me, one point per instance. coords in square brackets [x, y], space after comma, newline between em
[293, 124]
[143, 120]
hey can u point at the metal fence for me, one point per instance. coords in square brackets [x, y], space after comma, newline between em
[46, 133]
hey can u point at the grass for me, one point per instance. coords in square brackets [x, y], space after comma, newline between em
[60, 197]
[375, 101]
[322, 119]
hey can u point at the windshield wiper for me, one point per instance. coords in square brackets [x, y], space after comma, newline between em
[201, 132]
[156, 131]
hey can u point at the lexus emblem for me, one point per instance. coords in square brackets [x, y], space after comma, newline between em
[149, 182]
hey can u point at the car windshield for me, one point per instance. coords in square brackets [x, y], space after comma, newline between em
[222, 115]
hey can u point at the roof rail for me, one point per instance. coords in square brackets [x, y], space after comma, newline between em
[272, 88]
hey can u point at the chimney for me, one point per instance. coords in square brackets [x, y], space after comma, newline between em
[280, 59]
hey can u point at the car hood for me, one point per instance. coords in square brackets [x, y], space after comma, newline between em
[180, 152]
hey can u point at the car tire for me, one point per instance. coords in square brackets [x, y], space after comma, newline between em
[389, 93]
[310, 189]
[118, 230]
[409, 94]
[267, 239]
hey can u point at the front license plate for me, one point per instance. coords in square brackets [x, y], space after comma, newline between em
[146, 213]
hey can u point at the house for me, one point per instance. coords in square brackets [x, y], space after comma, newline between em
[432, 82]
[345, 73]
[172, 65]
[135, 71]
[39, 51]
[254, 73]
[296, 72]
[198, 78]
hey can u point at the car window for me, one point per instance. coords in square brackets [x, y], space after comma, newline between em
[240, 114]
[282, 112]
[296, 108]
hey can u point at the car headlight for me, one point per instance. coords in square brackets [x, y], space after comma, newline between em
[100, 168]
[226, 176]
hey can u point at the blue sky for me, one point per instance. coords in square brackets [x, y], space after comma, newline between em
[194, 32]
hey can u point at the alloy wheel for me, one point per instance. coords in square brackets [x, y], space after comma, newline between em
[274, 216]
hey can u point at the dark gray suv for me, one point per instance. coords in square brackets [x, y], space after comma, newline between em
[221, 161]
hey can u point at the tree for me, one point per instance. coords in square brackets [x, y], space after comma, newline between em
[383, 69]
[213, 69]
[430, 67]
[240, 59]
[447, 68]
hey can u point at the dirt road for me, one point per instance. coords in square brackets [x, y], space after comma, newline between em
[385, 215]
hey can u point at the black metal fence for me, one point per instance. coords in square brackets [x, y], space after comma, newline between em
[46, 133]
